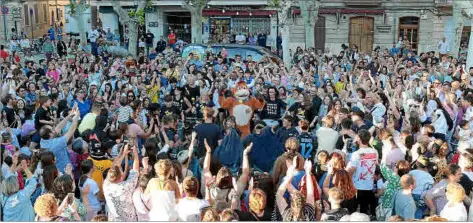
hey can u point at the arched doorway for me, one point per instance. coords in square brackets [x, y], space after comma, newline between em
[319, 34]
[409, 27]
[361, 33]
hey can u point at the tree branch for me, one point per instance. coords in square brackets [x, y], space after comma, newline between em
[122, 13]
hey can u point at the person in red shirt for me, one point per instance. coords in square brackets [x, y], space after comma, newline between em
[172, 39]
[3, 53]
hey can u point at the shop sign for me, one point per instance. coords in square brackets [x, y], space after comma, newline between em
[383, 29]
[153, 24]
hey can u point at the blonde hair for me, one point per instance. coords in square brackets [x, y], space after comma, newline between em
[328, 121]
[292, 144]
[455, 193]
[190, 186]
[336, 194]
[46, 206]
[209, 215]
[163, 167]
[99, 218]
[257, 200]
[228, 215]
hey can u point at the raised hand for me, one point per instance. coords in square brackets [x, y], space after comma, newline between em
[207, 147]
[308, 166]
[145, 161]
[248, 149]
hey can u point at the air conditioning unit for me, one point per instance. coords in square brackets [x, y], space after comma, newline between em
[423, 17]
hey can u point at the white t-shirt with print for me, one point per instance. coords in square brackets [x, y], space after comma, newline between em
[364, 160]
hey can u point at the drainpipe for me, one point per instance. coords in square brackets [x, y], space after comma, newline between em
[4, 21]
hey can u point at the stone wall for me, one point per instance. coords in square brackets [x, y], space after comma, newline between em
[431, 30]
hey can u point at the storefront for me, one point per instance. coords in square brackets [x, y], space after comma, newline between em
[220, 23]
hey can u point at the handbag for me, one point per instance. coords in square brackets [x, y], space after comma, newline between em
[382, 214]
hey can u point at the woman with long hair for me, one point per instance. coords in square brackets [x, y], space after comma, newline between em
[301, 208]
[343, 181]
[439, 149]
[63, 186]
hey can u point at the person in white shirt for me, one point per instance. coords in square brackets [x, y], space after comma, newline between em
[455, 210]
[240, 39]
[188, 208]
[439, 121]
[362, 167]
[329, 135]
[466, 164]
[443, 48]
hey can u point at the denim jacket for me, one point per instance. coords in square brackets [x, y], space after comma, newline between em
[18, 207]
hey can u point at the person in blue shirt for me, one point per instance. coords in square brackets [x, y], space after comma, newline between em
[16, 203]
[82, 103]
[394, 50]
[58, 144]
[109, 35]
[51, 33]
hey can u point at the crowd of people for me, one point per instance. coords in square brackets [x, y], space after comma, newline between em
[88, 135]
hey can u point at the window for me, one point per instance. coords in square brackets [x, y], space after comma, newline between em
[59, 14]
[409, 29]
[36, 14]
[45, 13]
[26, 12]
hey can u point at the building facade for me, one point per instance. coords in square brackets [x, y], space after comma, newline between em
[30, 16]
[366, 23]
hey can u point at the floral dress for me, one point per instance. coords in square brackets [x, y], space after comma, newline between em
[119, 198]
[394, 184]
[82, 211]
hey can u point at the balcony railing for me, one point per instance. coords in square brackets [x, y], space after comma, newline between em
[362, 2]
[443, 2]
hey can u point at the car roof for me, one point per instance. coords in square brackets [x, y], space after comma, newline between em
[236, 46]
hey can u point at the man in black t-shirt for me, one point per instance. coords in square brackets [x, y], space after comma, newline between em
[208, 130]
[149, 39]
[9, 111]
[169, 108]
[287, 130]
[43, 114]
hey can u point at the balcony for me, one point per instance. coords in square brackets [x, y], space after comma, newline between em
[363, 3]
[444, 6]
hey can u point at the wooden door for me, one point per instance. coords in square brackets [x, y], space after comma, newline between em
[319, 34]
[412, 33]
[361, 33]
